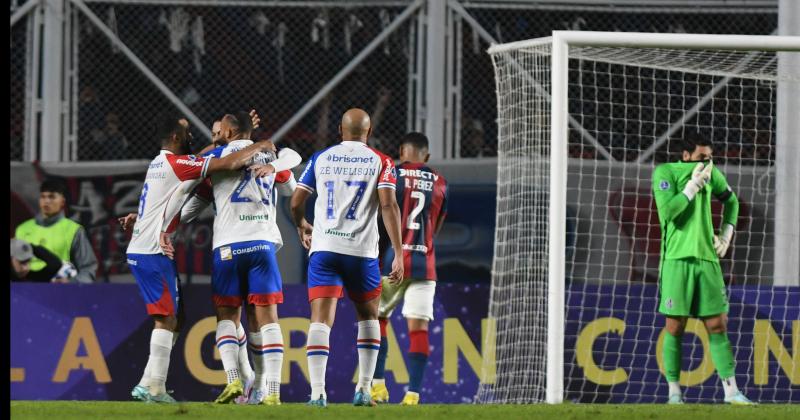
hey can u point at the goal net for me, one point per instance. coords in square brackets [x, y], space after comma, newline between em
[627, 111]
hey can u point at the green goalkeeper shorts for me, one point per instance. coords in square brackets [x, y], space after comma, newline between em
[692, 287]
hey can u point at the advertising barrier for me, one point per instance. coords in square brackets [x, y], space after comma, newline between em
[90, 342]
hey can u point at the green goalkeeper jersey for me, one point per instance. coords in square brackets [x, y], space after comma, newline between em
[687, 230]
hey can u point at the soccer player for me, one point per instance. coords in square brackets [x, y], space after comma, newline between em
[422, 196]
[154, 271]
[690, 281]
[352, 181]
[246, 238]
[191, 209]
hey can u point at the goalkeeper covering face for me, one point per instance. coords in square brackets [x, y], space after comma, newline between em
[690, 279]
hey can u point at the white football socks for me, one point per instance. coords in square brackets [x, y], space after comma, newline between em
[674, 388]
[729, 385]
[160, 348]
[317, 350]
[228, 345]
[368, 344]
[272, 349]
[145, 381]
[244, 359]
[259, 362]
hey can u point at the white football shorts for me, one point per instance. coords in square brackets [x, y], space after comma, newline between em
[416, 294]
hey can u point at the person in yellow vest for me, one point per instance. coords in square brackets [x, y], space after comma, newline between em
[58, 234]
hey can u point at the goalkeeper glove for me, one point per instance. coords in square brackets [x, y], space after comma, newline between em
[700, 176]
[723, 241]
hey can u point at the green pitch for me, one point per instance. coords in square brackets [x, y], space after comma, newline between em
[110, 410]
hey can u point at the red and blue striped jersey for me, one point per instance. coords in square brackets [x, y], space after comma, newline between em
[422, 197]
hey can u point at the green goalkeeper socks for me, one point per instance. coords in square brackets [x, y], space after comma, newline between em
[722, 355]
[672, 357]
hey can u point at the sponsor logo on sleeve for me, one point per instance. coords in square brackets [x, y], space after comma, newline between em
[190, 162]
[389, 170]
[664, 185]
[308, 168]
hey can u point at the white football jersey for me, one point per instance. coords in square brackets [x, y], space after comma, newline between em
[347, 177]
[164, 176]
[245, 206]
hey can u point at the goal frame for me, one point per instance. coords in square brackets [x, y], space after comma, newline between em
[561, 41]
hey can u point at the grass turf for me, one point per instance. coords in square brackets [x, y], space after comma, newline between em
[86, 410]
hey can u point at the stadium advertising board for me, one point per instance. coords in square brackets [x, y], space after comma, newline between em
[612, 326]
[90, 343]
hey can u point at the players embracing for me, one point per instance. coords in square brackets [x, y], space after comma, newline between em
[245, 271]
[422, 197]
[148, 255]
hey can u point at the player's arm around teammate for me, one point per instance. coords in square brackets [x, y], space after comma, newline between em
[245, 271]
[230, 162]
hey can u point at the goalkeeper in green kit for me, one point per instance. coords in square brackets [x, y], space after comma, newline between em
[690, 279]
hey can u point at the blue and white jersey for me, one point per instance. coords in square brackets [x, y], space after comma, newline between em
[347, 177]
[245, 206]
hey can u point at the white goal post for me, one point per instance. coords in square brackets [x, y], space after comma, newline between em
[534, 84]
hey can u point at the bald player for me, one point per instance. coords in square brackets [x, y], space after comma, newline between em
[352, 182]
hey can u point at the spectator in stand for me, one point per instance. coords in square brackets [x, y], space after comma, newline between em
[90, 122]
[380, 139]
[20, 268]
[473, 139]
[90, 111]
[63, 237]
[110, 143]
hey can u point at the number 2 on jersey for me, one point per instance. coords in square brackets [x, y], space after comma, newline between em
[351, 210]
[265, 185]
[420, 196]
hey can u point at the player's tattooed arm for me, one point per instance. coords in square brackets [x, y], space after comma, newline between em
[298, 206]
[390, 213]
